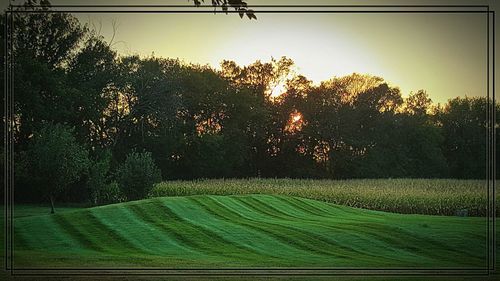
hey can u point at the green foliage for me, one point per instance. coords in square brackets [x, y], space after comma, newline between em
[27, 187]
[102, 189]
[418, 103]
[61, 70]
[98, 177]
[404, 146]
[207, 158]
[57, 160]
[137, 175]
[111, 193]
[464, 125]
[61, 34]
[92, 73]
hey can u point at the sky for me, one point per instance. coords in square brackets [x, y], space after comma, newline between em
[444, 54]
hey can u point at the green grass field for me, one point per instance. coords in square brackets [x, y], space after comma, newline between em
[245, 231]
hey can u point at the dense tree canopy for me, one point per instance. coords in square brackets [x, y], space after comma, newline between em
[56, 160]
[198, 122]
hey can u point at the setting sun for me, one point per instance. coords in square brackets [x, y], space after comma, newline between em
[296, 117]
[295, 122]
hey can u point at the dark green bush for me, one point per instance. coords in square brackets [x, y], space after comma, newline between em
[111, 193]
[102, 190]
[137, 175]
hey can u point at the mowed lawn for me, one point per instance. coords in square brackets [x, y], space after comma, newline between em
[245, 231]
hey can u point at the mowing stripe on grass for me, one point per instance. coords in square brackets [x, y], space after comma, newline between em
[178, 223]
[275, 230]
[225, 215]
[246, 231]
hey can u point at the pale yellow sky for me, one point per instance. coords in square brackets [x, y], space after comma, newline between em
[444, 54]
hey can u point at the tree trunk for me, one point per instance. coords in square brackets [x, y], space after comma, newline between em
[51, 204]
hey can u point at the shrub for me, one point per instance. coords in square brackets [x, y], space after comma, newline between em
[111, 193]
[102, 191]
[137, 175]
[24, 176]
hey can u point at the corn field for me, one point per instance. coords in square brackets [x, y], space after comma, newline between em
[409, 196]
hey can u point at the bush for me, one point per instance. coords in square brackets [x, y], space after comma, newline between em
[102, 191]
[111, 193]
[137, 175]
[24, 176]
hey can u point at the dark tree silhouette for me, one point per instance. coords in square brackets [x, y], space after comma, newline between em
[240, 6]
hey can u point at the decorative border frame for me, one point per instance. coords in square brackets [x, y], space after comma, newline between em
[487, 270]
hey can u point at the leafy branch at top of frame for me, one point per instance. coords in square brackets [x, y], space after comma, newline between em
[240, 6]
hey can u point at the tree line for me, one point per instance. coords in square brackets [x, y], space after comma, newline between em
[112, 118]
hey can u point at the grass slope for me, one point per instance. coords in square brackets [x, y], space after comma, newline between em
[251, 231]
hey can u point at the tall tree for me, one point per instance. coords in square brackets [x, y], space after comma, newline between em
[57, 160]
[418, 103]
[464, 126]
[92, 74]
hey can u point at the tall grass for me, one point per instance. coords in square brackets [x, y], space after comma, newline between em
[409, 196]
